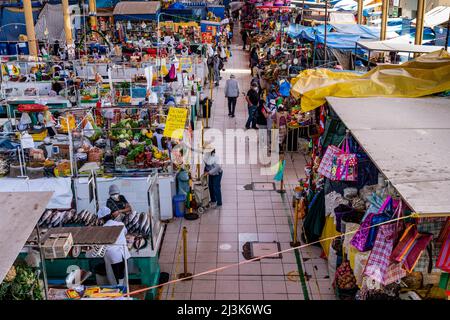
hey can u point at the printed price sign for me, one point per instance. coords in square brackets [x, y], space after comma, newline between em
[175, 123]
[186, 64]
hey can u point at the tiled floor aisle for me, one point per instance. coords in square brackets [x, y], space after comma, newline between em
[216, 239]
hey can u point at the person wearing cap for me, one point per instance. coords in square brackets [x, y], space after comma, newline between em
[232, 93]
[47, 147]
[117, 203]
[214, 172]
[117, 254]
[158, 138]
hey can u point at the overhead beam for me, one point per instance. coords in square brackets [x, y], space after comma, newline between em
[29, 22]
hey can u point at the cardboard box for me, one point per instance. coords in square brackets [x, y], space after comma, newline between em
[57, 245]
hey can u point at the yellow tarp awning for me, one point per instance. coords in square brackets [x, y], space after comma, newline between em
[425, 75]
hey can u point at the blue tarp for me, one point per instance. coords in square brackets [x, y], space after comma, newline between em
[17, 24]
[101, 4]
[308, 33]
[177, 6]
[365, 32]
[339, 40]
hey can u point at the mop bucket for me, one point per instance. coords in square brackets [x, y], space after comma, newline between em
[179, 204]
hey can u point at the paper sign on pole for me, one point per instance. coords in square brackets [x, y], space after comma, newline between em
[175, 123]
[186, 64]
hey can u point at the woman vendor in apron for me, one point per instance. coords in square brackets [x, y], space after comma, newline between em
[117, 203]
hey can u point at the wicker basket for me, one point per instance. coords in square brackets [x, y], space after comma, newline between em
[35, 173]
[14, 170]
[95, 155]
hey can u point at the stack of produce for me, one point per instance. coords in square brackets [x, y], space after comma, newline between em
[134, 147]
[345, 281]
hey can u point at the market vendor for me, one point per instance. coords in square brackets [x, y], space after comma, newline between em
[117, 203]
[116, 255]
[158, 138]
[47, 147]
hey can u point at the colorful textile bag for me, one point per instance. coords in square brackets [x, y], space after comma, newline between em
[345, 165]
[327, 161]
[382, 216]
[361, 239]
[379, 267]
[412, 257]
[445, 232]
[443, 261]
[404, 244]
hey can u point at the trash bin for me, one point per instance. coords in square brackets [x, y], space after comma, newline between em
[179, 205]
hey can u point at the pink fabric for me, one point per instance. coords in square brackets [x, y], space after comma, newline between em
[327, 161]
[378, 266]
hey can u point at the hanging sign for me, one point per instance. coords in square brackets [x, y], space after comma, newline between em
[186, 64]
[175, 123]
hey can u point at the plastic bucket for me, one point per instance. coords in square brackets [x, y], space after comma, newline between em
[179, 205]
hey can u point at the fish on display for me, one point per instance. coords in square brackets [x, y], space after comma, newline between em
[141, 221]
[145, 225]
[44, 217]
[87, 218]
[146, 229]
[56, 220]
[50, 217]
[144, 221]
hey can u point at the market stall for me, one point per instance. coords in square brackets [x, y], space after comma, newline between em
[369, 204]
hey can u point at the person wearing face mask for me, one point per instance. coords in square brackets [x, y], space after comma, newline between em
[214, 172]
[252, 100]
[117, 203]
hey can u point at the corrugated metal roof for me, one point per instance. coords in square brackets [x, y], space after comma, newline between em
[136, 7]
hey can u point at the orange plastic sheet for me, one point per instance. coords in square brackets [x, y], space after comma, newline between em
[425, 75]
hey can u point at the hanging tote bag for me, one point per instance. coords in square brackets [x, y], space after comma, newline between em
[327, 161]
[361, 238]
[404, 244]
[413, 255]
[345, 164]
[443, 260]
[383, 215]
[378, 265]
[445, 232]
